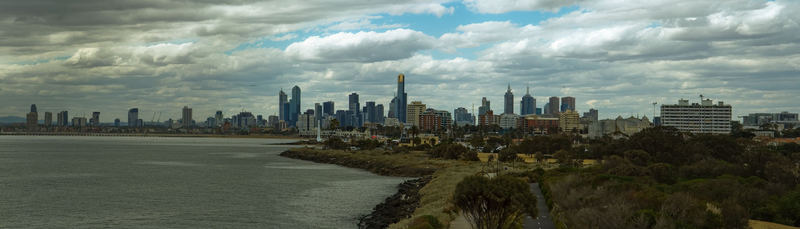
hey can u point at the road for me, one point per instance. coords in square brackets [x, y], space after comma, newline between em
[543, 221]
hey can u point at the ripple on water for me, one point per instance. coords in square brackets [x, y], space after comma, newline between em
[168, 163]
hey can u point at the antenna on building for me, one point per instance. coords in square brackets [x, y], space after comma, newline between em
[654, 109]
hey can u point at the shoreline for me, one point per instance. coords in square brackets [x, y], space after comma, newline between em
[376, 166]
[152, 135]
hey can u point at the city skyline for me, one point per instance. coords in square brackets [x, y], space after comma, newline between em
[617, 59]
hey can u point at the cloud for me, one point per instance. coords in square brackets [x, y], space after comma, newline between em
[361, 47]
[503, 6]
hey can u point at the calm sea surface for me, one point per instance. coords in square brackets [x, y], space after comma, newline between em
[149, 182]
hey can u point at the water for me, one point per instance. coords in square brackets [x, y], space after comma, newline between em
[147, 182]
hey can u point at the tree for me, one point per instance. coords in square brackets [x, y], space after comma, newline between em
[501, 202]
[334, 124]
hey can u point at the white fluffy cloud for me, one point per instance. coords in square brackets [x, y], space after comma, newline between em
[361, 47]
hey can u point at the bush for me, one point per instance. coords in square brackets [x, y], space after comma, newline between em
[450, 151]
[335, 143]
[501, 202]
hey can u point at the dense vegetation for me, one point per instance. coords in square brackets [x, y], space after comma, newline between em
[494, 203]
[661, 178]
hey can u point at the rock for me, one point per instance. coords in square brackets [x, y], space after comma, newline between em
[396, 207]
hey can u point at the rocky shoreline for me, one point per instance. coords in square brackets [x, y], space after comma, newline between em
[374, 166]
[394, 208]
[397, 207]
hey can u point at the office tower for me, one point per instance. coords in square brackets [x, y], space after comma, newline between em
[401, 110]
[569, 121]
[116, 122]
[485, 106]
[592, 115]
[353, 103]
[33, 108]
[186, 117]
[328, 108]
[369, 112]
[528, 104]
[538, 110]
[463, 117]
[62, 118]
[32, 118]
[392, 108]
[259, 120]
[133, 117]
[705, 117]
[379, 113]
[508, 103]
[567, 103]
[317, 111]
[546, 108]
[95, 121]
[341, 116]
[218, 118]
[414, 110]
[282, 114]
[553, 105]
[294, 107]
[272, 121]
[48, 119]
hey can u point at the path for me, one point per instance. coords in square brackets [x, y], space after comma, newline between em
[543, 221]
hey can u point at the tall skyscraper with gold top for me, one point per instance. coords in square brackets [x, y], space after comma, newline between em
[400, 99]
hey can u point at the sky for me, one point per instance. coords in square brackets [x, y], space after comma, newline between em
[612, 55]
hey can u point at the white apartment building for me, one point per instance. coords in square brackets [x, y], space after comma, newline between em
[706, 117]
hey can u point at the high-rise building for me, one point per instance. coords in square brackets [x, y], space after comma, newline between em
[33, 108]
[463, 117]
[294, 107]
[353, 104]
[186, 117]
[133, 117]
[32, 119]
[379, 113]
[392, 108]
[62, 118]
[591, 116]
[401, 102]
[272, 121]
[79, 122]
[341, 116]
[528, 104]
[116, 122]
[567, 103]
[95, 121]
[508, 105]
[569, 121]
[486, 105]
[705, 117]
[48, 119]
[218, 118]
[318, 112]
[553, 106]
[369, 112]
[282, 99]
[508, 121]
[414, 110]
[328, 108]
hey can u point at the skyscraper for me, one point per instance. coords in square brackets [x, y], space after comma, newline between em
[415, 109]
[353, 104]
[133, 117]
[62, 118]
[48, 119]
[282, 115]
[218, 118]
[528, 104]
[379, 113]
[554, 107]
[568, 103]
[328, 108]
[392, 108]
[186, 117]
[294, 107]
[317, 111]
[485, 106]
[369, 111]
[400, 111]
[95, 121]
[33, 108]
[463, 117]
[508, 105]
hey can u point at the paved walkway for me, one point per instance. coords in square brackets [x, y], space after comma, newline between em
[543, 221]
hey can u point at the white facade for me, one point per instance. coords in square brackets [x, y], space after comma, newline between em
[707, 118]
[508, 121]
